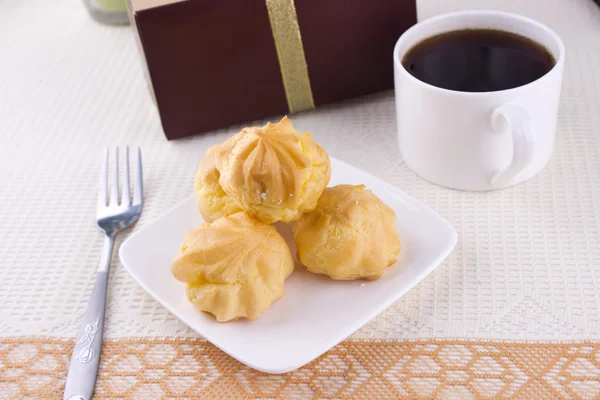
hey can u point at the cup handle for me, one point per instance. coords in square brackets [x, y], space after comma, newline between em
[517, 121]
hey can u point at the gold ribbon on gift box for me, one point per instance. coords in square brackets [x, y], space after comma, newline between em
[290, 51]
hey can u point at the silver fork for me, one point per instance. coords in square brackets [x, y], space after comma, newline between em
[111, 219]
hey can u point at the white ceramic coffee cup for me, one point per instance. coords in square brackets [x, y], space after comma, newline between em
[481, 140]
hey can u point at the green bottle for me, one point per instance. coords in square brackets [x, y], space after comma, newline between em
[113, 5]
[110, 12]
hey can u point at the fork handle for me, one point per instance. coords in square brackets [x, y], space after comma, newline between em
[85, 359]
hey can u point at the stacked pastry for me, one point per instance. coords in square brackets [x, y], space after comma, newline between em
[235, 265]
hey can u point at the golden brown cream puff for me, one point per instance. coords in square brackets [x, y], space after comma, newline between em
[274, 172]
[234, 267]
[351, 234]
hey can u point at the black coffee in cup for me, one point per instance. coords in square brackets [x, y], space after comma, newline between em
[478, 60]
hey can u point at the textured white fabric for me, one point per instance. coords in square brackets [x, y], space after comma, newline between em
[527, 264]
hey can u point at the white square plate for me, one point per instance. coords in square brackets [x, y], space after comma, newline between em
[316, 312]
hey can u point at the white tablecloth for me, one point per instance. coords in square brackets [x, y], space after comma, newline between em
[527, 264]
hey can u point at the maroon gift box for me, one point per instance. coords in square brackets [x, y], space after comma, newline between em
[214, 63]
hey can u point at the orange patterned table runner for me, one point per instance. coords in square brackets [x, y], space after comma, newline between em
[192, 368]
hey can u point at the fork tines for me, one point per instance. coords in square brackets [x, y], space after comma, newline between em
[114, 192]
